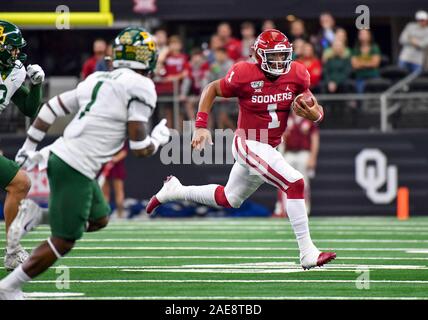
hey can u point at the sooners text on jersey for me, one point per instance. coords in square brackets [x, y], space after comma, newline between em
[264, 104]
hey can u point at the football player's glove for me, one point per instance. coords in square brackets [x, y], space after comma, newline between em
[160, 133]
[26, 159]
[35, 73]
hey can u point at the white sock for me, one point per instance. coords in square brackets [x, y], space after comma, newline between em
[11, 250]
[296, 211]
[15, 280]
[201, 194]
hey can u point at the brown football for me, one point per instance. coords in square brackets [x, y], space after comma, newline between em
[306, 96]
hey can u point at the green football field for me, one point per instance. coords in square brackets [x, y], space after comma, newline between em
[377, 258]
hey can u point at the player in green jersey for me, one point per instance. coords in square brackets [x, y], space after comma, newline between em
[13, 73]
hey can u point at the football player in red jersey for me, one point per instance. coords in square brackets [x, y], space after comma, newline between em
[266, 91]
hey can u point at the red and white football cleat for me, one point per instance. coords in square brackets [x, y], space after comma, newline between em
[171, 191]
[323, 258]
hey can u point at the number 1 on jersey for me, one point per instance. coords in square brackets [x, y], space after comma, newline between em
[93, 98]
[274, 116]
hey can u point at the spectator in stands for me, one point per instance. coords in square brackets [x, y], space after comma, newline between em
[232, 45]
[298, 45]
[414, 40]
[172, 68]
[248, 32]
[268, 24]
[116, 175]
[219, 70]
[326, 35]
[337, 69]
[366, 58]
[300, 150]
[106, 64]
[215, 43]
[313, 64]
[341, 35]
[99, 51]
[195, 81]
[297, 30]
[161, 37]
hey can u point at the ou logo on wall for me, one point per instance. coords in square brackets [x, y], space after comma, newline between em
[372, 173]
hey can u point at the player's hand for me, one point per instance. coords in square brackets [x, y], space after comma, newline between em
[35, 73]
[201, 137]
[26, 160]
[21, 157]
[303, 110]
[161, 133]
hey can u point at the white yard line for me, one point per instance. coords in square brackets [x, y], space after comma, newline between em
[116, 281]
[285, 232]
[208, 227]
[232, 257]
[362, 249]
[245, 267]
[239, 298]
[240, 240]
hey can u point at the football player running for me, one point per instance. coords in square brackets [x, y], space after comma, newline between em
[109, 106]
[266, 91]
[28, 100]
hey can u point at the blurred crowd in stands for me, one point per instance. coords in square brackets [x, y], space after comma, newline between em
[334, 64]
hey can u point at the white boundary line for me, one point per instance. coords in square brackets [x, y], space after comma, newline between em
[239, 240]
[111, 281]
[362, 249]
[239, 298]
[230, 257]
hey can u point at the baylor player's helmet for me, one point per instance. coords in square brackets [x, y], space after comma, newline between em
[135, 48]
[10, 39]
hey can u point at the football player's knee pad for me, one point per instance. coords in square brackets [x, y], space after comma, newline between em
[221, 200]
[296, 190]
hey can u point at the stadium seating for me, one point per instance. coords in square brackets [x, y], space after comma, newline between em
[376, 85]
[420, 84]
[393, 73]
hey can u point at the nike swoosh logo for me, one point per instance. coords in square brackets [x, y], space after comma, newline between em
[26, 226]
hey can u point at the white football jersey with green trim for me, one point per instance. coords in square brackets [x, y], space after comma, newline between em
[105, 101]
[11, 83]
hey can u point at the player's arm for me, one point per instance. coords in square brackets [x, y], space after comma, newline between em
[141, 143]
[28, 100]
[202, 135]
[59, 106]
[315, 112]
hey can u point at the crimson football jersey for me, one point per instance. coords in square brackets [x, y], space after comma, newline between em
[264, 105]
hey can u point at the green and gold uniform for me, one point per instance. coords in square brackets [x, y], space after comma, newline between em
[12, 77]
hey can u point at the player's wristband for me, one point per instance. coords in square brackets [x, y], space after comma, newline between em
[201, 120]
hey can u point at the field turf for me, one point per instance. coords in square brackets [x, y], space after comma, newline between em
[377, 258]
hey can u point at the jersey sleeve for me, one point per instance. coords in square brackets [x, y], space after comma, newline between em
[230, 83]
[303, 77]
[142, 100]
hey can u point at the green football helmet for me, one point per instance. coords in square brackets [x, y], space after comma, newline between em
[10, 39]
[135, 48]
